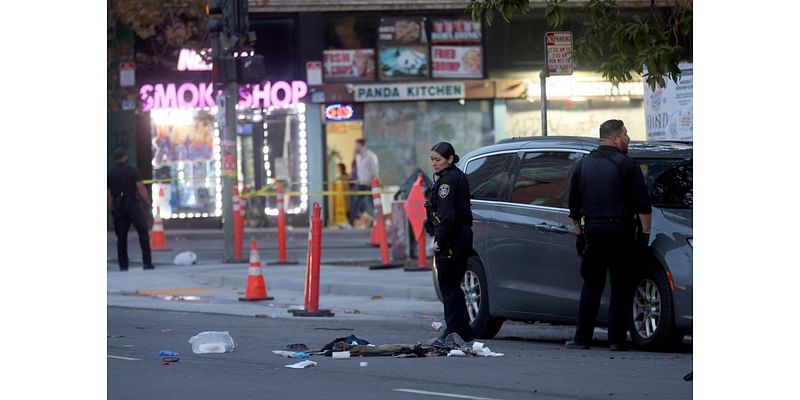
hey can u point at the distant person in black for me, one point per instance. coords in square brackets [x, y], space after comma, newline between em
[449, 219]
[124, 183]
[606, 191]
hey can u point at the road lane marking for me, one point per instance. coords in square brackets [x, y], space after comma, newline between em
[124, 358]
[457, 396]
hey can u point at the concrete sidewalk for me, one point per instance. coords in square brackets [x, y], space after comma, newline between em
[350, 292]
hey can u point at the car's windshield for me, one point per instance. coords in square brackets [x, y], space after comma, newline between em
[669, 182]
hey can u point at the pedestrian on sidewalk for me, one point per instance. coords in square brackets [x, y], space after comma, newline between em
[449, 220]
[366, 167]
[123, 196]
[606, 191]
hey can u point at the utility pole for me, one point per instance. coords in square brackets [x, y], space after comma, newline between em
[228, 28]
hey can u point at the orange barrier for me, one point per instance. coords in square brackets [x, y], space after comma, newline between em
[311, 306]
[281, 200]
[381, 227]
[157, 239]
[415, 210]
[256, 286]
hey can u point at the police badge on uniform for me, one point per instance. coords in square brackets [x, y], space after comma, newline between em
[444, 190]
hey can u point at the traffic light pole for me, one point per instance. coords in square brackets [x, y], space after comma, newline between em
[229, 174]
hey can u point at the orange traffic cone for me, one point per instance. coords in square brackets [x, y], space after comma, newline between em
[256, 287]
[157, 239]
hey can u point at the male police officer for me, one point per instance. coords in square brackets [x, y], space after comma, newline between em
[606, 190]
[124, 183]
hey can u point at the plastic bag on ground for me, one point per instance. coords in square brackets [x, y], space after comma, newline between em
[185, 258]
[302, 364]
[212, 342]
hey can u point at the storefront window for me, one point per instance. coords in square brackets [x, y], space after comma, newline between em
[185, 153]
[402, 133]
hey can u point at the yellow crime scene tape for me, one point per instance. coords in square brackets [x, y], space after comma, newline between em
[272, 191]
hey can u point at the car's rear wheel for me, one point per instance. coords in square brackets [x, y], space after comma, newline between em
[474, 285]
[653, 323]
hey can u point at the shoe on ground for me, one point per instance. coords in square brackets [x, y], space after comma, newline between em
[440, 343]
[571, 344]
[618, 347]
[149, 267]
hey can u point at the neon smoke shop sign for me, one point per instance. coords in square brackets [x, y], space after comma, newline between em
[199, 95]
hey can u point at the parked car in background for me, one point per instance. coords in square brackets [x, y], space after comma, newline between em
[526, 267]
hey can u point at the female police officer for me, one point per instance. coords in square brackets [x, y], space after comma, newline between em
[450, 220]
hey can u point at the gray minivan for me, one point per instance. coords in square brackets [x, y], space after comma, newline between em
[526, 267]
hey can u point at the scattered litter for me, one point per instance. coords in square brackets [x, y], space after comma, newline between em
[186, 258]
[302, 364]
[212, 342]
[363, 363]
[353, 311]
[480, 350]
[376, 297]
[170, 359]
[167, 353]
[352, 340]
[296, 347]
[340, 355]
[457, 353]
[436, 326]
[261, 316]
[291, 354]
[169, 297]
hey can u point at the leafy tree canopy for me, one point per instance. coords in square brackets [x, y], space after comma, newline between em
[621, 45]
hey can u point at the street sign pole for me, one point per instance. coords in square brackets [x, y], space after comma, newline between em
[543, 82]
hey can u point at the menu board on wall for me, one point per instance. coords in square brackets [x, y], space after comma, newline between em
[349, 65]
[402, 62]
[402, 31]
[456, 62]
[455, 31]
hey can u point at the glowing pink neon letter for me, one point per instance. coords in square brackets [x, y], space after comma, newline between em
[299, 89]
[287, 93]
[165, 98]
[146, 95]
[191, 88]
[259, 95]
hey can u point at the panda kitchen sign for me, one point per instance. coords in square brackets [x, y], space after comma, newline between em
[409, 91]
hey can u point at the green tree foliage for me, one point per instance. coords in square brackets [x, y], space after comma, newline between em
[621, 45]
[163, 27]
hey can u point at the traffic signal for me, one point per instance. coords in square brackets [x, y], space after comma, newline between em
[215, 17]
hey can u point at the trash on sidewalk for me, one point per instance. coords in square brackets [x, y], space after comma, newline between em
[297, 347]
[170, 359]
[436, 326]
[479, 349]
[363, 364]
[340, 355]
[291, 354]
[302, 364]
[212, 342]
[167, 353]
[185, 258]
[456, 352]
[351, 340]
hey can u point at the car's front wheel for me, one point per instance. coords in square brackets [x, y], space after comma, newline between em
[653, 323]
[474, 285]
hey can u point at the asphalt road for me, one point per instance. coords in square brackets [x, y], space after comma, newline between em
[535, 364]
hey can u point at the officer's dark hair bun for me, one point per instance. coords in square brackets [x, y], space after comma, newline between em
[446, 150]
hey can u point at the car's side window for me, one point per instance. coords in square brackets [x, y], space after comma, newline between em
[544, 178]
[490, 177]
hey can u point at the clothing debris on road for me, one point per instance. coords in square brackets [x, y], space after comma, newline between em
[302, 364]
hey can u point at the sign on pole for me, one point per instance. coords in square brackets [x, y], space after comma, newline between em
[559, 53]
[314, 72]
[127, 74]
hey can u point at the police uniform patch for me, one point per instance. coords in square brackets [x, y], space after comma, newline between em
[444, 190]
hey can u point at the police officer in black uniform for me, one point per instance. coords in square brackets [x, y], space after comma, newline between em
[124, 183]
[449, 219]
[606, 192]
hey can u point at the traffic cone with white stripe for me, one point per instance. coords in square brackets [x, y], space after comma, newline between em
[157, 239]
[256, 286]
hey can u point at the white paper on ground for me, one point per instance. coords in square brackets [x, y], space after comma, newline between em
[457, 353]
[302, 364]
